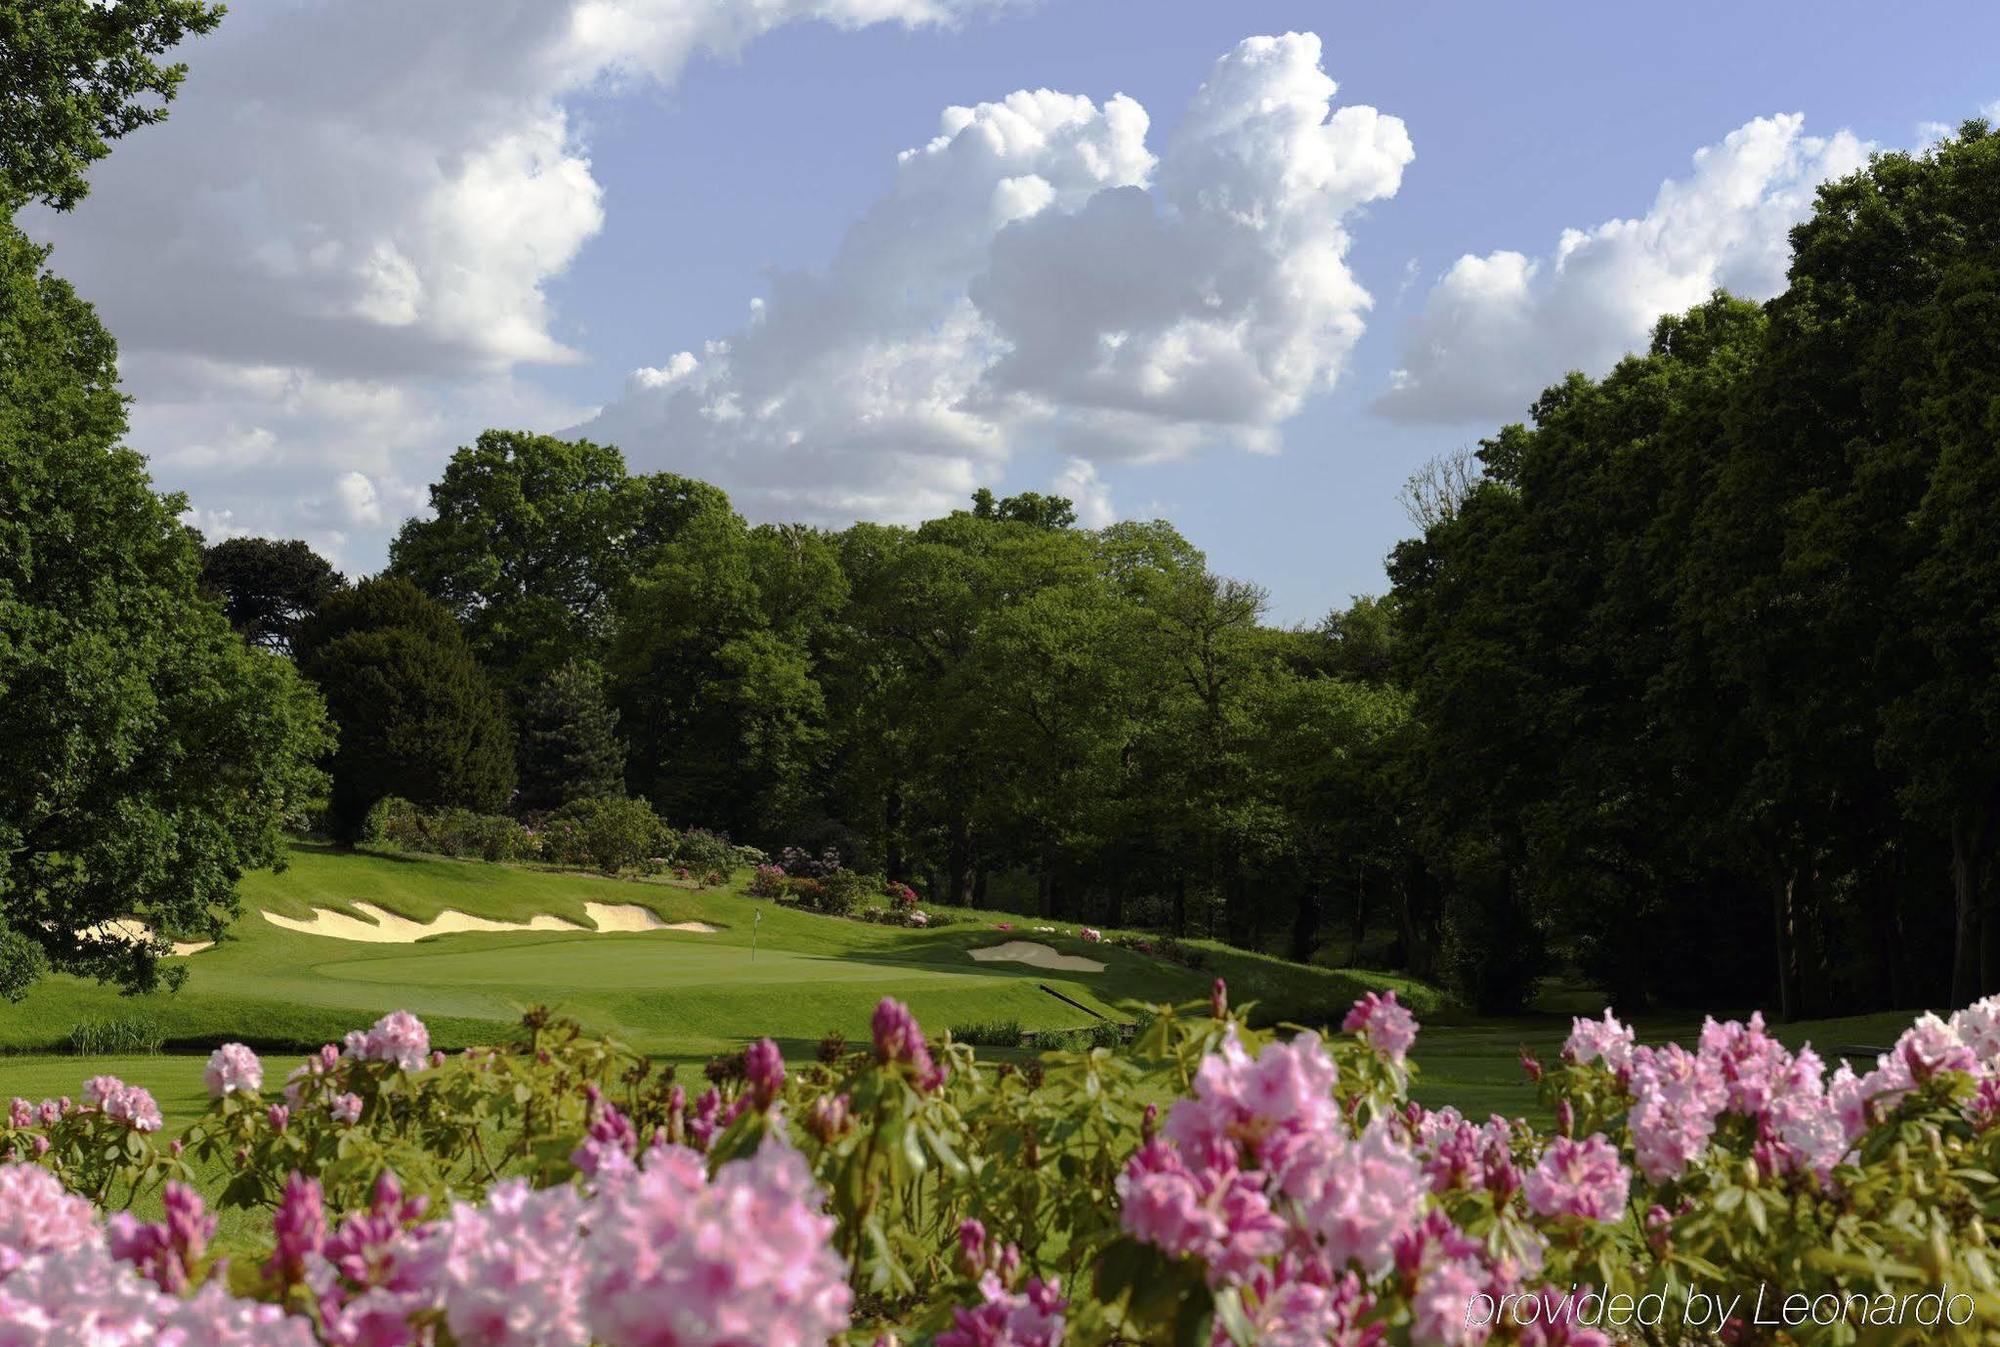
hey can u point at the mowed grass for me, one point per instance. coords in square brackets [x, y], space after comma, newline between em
[768, 969]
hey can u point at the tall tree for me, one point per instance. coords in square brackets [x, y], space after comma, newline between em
[570, 748]
[151, 757]
[268, 587]
[416, 714]
[535, 539]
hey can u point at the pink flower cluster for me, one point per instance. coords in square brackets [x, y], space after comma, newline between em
[398, 1037]
[1030, 1317]
[128, 1104]
[899, 1038]
[1579, 1178]
[1383, 1024]
[62, 1283]
[1800, 1117]
[656, 1255]
[1261, 1176]
[233, 1068]
[1459, 1155]
[673, 1259]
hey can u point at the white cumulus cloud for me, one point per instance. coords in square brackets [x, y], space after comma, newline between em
[1497, 329]
[1037, 274]
[366, 201]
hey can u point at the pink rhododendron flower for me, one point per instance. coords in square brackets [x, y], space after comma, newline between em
[1092, 934]
[1604, 1040]
[678, 1261]
[765, 1067]
[1384, 1025]
[299, 1228]
[1356, 1195]
[1443, 1312]
[1218, 1214]
[233, 1067]
[514, 1269]
[1032, 1317]
[38, 1215]
[1306, 1313]
[165, 1252]
[899, 1038]
[398, 1037]
[346, 1109]
[1579, 1178]
[129, 1104]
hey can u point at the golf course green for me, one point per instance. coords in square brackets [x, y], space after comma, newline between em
[763, 969]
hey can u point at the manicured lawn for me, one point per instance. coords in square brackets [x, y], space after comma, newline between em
[671, 993]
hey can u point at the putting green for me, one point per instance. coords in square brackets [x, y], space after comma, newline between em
[674, 993]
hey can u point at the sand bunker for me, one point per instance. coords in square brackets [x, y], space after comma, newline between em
[390, 929]
[1040, 956]
[131, 928]
[632, 917]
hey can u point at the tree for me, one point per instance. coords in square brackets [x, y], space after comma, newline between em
[714, 675]
[417, 716]
[1030, 507]
[268, 587]
[151, 757]
[76, 75]
[534, 542]
[570, 748]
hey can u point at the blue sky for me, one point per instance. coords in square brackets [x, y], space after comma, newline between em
[367, 234]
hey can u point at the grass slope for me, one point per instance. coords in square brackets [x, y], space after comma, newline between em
[676, 994]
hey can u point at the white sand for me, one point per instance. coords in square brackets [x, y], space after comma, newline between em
[131, 928]
[389, 929]
[1040, 956]
[632, 917]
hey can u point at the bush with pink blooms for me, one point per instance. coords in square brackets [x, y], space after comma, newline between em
[1208, 1184]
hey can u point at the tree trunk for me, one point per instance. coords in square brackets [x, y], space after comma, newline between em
[893, 859]
[1180, 903]
[1966, 942]
[1114, 912]
[1783, 933]
[958, 859]
[979, 887]
[1305, 925]
[1419, 949]
[1358, 928]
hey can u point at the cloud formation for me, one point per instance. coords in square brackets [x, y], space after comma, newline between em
[1037, 275]
[354, 212]
[1497, 329]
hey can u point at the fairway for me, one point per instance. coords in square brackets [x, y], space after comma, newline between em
[674, 993]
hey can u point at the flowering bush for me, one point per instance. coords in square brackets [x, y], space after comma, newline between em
[900, 895]
[767, 881]
[555, 1189]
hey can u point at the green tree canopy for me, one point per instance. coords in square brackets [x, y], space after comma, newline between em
[76, 75]
[535, 539]
[417, 716]
[570, 748]
[268, 587]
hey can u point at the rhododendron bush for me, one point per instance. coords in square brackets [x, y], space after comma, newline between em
[1210, 1184]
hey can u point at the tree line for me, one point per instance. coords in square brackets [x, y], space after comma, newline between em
[1689, 685]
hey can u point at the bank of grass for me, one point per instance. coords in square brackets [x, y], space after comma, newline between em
[768, 969]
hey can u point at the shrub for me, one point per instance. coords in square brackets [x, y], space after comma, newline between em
[989, 1033]
[700, 851]
[1290, 1191]
[767, 881]
[841, 893]
[1103, 1034]
[608, 833]
[901, 896]
[798, 861]
[449, 832]
[121, 1035]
